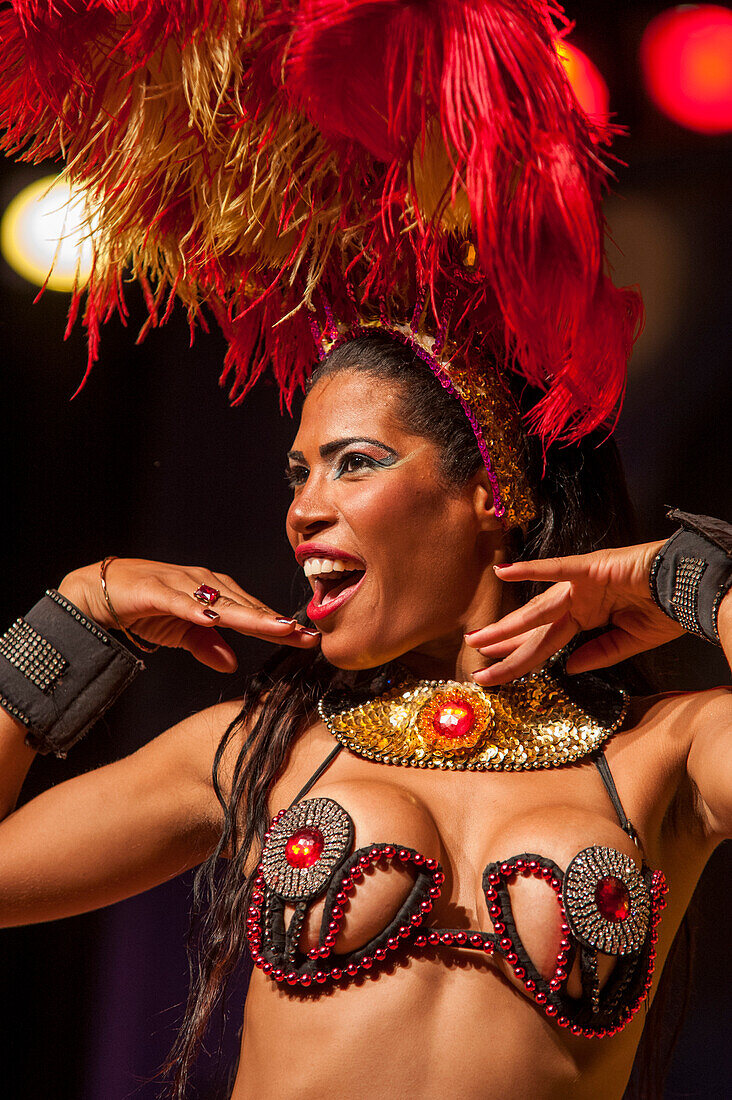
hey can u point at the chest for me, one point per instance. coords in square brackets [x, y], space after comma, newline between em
[467, 819]
[533, 869]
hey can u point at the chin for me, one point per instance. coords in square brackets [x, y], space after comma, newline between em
[354, 651]
[351, 659]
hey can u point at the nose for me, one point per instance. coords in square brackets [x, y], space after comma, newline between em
[312, 511]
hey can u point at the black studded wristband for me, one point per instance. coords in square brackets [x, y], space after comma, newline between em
[59, 671]
[692, 572]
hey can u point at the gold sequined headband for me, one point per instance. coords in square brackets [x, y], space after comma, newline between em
[486, 402]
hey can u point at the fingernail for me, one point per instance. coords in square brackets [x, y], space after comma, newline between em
[312, 633]
[286, 622]
[472, 632]
[502, 565]
[211, 614]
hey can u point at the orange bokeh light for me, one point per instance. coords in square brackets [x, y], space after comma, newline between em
[686, 56]
[586, 80]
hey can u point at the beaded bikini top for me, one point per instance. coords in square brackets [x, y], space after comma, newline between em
[607, 903]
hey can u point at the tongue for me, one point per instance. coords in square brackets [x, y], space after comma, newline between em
[330, 589]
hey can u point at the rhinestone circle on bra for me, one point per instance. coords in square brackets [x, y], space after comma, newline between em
[289, 870]
[607, 901]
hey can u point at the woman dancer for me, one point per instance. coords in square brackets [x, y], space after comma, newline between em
[473, 903]
[412, 192]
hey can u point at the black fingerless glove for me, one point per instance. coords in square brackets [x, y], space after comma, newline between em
[59, 672]
[692, 573]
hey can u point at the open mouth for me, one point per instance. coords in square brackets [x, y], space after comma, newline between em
[331, 590]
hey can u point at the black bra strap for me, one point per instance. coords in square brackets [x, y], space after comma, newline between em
[317, 774]
[600, 762]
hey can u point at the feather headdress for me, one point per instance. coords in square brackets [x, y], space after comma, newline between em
[294, 167]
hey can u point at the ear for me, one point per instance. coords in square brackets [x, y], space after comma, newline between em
[483, 503]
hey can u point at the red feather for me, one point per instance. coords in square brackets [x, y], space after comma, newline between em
[382, 84]
[379, 72]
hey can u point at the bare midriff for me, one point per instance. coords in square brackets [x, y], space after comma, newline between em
[448, 1021]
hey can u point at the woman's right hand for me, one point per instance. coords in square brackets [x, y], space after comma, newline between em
[155, 600]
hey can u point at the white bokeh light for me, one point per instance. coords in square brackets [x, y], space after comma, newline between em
[44, 229]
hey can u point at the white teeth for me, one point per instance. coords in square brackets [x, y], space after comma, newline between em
[315, 566]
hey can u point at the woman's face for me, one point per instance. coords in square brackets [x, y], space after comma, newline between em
[393, 557]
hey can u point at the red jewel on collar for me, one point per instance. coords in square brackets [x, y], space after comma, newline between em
[612, 898]
[454, 720]
[304, 847]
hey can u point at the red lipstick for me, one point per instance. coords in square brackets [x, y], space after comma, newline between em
[320, 550]
[331, 594]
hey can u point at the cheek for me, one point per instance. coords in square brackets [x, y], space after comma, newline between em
[425, 526]
[422, 556]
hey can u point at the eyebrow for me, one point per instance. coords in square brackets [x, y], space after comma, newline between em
[329, 449]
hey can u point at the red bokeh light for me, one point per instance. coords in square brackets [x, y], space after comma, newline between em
[686, 55]
[586, 80]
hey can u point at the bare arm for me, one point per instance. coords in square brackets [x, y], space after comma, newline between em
[116, 831]
[710, 756]
[126, 827]
[15, 760]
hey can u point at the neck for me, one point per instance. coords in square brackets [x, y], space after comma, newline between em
[448, 657]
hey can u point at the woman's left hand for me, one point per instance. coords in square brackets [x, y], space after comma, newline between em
[605, 588]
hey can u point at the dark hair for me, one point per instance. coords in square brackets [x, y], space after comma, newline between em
[584, 505]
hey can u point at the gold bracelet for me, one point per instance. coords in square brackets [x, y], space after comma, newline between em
[139, 642]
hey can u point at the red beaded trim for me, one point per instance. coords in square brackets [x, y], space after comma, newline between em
[503, 872]
[538, 869]
[353, 876]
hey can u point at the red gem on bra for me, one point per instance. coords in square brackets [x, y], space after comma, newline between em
[304, 847]
[454, 720]
[612, 898]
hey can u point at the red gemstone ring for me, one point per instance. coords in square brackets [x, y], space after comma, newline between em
[206, 595]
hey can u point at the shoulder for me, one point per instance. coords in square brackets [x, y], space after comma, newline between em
[676, 718]
[653, 750]
[684, 736]
[668, 727]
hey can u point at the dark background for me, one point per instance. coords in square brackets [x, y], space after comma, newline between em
[151, 461]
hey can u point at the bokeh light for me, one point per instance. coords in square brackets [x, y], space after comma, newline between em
[586, 80]
[686, 56]
[44, 229]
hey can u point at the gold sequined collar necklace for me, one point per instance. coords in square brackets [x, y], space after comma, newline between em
[532, 722]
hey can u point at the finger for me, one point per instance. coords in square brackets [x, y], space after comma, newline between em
[226, 588]
[232, 588]
[208, 647]
[498, 650]
[246, 618]
[544, 569]
[166, 600]
[531, 655]
[257, 622]
[608, 649]
[275, 627]
[301, 637]
[541, 610]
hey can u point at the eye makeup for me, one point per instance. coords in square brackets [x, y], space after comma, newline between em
[351, 462]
